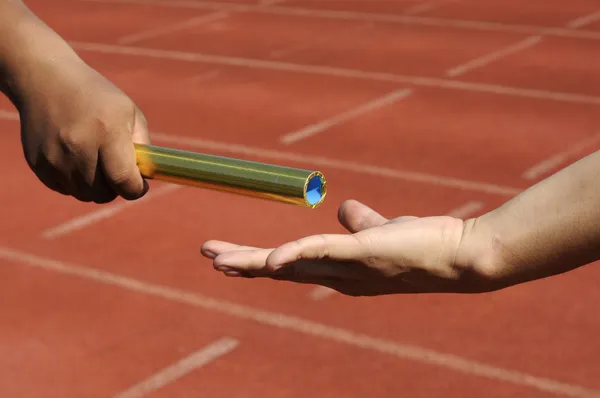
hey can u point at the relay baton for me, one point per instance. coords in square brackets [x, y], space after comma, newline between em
[278, 183]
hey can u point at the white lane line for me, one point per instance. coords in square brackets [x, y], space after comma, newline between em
[362, 16]
[304, 326]
[359, 168]
[426, 6]
[9, 115]
[173, 28]
[554, 162]
[103, 213]
[466, 210]
[517, 47]
[336, 71]
[181, 368]
[270, 2]
[360, 110]
[494, 56]
[584, 20]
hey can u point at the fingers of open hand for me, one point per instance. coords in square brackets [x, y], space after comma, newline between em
[314, 259]
[311, 260]
[247, 262]
[229, 257]
[235, 260]
[213, 248]
[316, 247]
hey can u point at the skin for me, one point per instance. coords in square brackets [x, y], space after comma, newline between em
[549, 229]
[78, 130]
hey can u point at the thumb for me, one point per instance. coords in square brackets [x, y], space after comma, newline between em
[355, 216]
[140, 134]
[119, 160]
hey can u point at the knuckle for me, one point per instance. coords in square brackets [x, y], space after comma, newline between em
[140, 117]
[313, 247]
[71, 142]
[114, 119]
[371, 261]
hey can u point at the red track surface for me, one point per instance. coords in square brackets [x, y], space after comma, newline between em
[69, 331]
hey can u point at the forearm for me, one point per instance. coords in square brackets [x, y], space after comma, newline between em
[27, 46]
[551, 228]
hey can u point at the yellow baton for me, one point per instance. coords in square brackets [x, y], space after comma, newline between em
[278, 183]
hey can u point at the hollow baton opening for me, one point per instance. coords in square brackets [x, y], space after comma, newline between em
[315, 189]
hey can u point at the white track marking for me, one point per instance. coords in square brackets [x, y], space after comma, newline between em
[181, 368]
[554, 162]
[105, 212]
[411, 176]
[360, 110]
[9, 115]
[494, 56]
[466, 210]
[515, 48]
[359, 168]
[304, 326]
[425, 6]
[584, 20]
[374, 17]
[336, 71]
[166, 30]
[270, 2]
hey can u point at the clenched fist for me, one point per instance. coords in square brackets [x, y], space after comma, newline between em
[78, 132]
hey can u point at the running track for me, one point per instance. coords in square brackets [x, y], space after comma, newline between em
[412, 107]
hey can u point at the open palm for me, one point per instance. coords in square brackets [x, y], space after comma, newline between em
[378, 256]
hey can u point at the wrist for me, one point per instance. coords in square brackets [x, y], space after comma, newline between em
[479, 256]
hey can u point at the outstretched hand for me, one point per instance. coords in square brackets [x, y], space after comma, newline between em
[379, 256]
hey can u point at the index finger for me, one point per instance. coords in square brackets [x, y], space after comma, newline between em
[119, 160]
[316, 247]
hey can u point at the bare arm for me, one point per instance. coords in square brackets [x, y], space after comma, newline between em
[550, 228]
[77, 128]
[29, 51]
